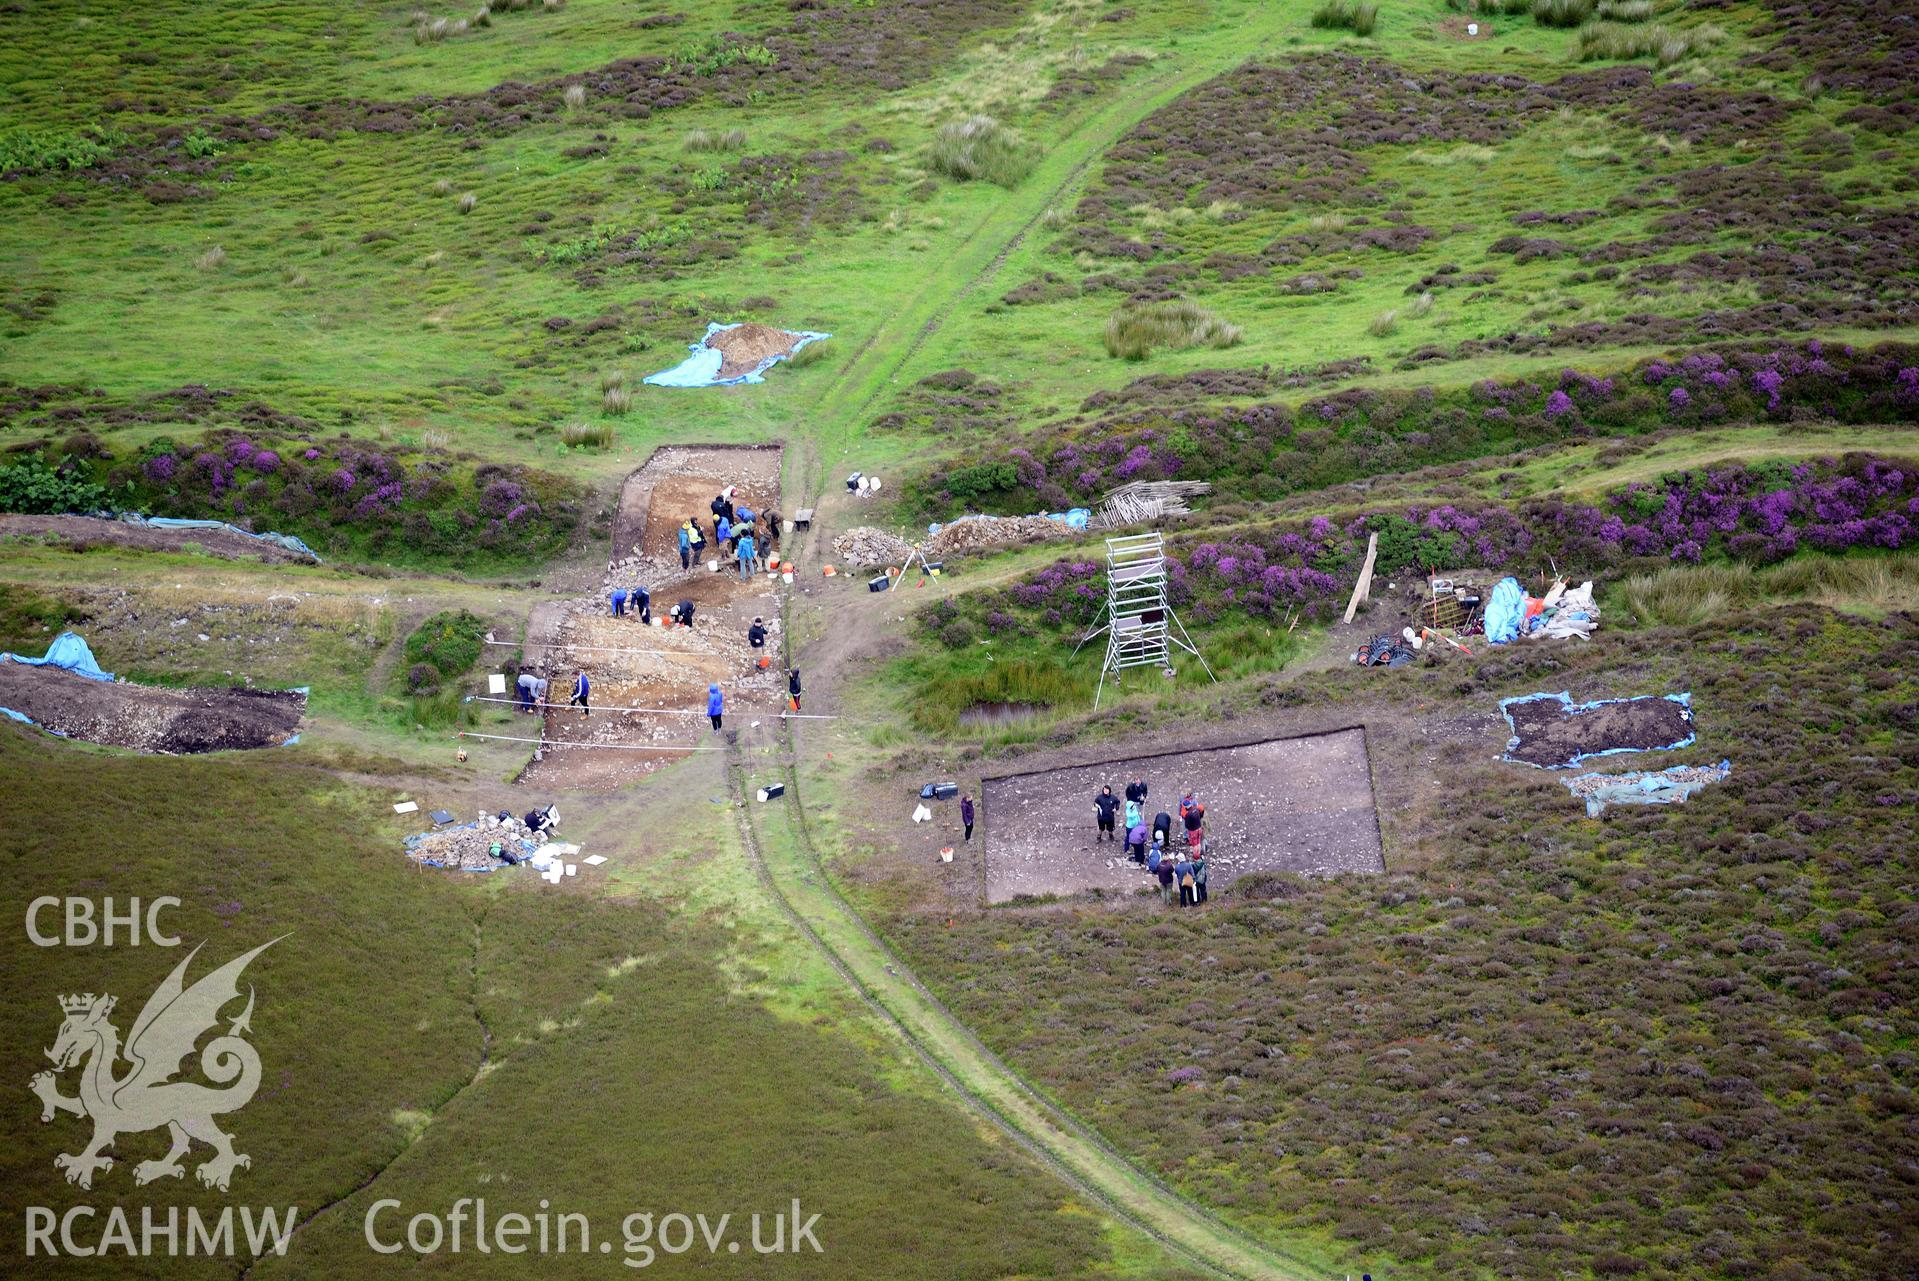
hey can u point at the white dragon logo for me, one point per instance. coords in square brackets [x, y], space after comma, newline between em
[145, 1097]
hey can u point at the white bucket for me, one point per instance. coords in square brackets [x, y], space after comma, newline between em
[787, 525]
[786, 578]
[713, 566]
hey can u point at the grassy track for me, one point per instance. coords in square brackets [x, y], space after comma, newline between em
[880, 361]
[791, 872]
[783, 852]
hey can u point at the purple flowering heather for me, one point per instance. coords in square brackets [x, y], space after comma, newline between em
[1558, 404]
[159, 468]
[266, 462]
[342, 480]
[1679, 398]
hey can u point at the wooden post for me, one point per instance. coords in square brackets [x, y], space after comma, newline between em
[1364, 585]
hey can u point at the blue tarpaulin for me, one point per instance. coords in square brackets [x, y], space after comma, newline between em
[69, 651]
[1644, 787]
[1565, 698]
[702, 367]
[1505, 612]
[1074, 519]
[287, 541]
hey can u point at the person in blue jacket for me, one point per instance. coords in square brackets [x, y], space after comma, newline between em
[617, 598]
[642, 602]
[686, 548]
[580, 691]
[723, 530]
[715, 705]
[746, 556]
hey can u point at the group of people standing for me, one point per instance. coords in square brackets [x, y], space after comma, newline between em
[740, 533]
[1152, 846]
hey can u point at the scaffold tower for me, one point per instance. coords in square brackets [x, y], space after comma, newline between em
[1140, 626]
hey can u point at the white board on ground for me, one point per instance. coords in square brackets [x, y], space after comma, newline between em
[406, 807]
[496, 684]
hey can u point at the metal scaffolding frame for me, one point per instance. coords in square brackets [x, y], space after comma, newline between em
[1141, 627]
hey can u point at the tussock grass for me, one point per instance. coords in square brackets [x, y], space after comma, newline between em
[1384, 324]
[714, 139]
[1623, 10]
[1350, 15]
[612, 379]
[1420, 305]
[1329, 222]
[212, 260]
[1136, 330]
[616, 400]
[1471, 153]
[466, 202]
[587, 435]
[980, 148]
[574, 96]
[1562, 13]
[436, 438]
[1687, 595]
[1052, 219]
[442, 186]
[1612, 42]
[811, 354]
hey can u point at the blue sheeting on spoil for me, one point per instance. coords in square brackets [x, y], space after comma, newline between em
[1684, 700]
[1074, 518]
[69, 651]
[413, 843]
[702, 367]
[287, 541]
[1644, 787]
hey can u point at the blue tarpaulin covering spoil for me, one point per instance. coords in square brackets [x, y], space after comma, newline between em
[287, 541]
[69, 651]
[1644, 787]
[702, 367]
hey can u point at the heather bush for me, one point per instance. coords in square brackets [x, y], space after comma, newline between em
[343, 496]
[1263, 451]
[1751, 515]
[443, 648]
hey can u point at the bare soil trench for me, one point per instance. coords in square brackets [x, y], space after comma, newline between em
[665, 670]
[1291, 804]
